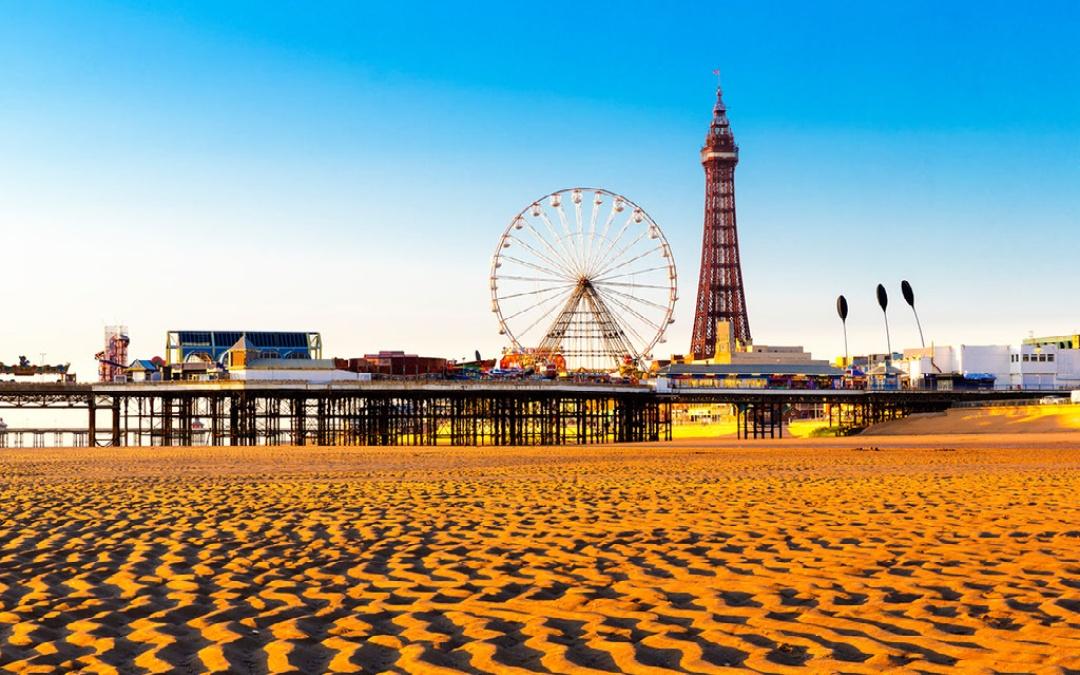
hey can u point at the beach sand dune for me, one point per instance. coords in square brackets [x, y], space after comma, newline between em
[833, 555]
[985, 420]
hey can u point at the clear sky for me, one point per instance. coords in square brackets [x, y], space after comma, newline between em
[349, 169]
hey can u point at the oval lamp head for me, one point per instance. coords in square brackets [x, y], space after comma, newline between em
[909, 294]
[841, 307]
[882, 297]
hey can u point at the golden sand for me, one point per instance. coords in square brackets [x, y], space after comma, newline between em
[913, 555]
[988, 420]
[976, 420]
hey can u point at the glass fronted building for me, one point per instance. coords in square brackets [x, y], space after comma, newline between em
[210, 346]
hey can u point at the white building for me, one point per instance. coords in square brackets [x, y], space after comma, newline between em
[1045, 367]
[1012, 366]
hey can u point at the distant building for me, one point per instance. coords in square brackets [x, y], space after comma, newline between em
[1029, 365]
[210, 346]
[737, 366]
[885, 376]
[144, 370]
[748, 376]
[1059, 341]
[1047, 366]
[396, 364]
[200, 354]
[730, 351]
[864, 362]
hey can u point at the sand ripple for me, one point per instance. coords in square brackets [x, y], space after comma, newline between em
[640, 560]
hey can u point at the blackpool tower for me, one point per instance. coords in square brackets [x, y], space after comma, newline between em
[720, 295]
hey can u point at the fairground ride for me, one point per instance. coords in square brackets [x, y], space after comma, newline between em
[586, 275]
[26, 369]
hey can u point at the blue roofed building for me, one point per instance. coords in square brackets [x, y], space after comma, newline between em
[143, 370]
[210, 346]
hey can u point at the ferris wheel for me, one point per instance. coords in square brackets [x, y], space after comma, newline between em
[586, 275]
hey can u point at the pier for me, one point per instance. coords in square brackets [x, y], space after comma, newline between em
[760, 412]
[361, 413]
[426, 413]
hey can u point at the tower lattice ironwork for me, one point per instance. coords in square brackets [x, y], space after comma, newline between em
[720, 294]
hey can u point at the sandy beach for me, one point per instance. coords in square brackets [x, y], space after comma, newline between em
[919, 554]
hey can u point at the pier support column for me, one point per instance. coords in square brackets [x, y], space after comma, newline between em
[320, 428]
[92, 422]
[115, 422]
[234, 420]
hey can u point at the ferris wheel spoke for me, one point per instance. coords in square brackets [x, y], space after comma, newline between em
[611, 245]
[538, 268]
[632, 273]
[597, 253]
[559, 239]
[631, 331]
[580, 226]
[629, 285]
[545, 315]
[522, 294]
[569, 235]
[547, 245]
[593, 216]
[635, 335]
[649, 322]
[625, 327]
[612, 333]
[612, 268]
[531, 308]
[512, 277]
[538, 254]
[634, 298]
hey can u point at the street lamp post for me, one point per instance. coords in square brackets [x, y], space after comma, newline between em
[909, 297]
[883, 301]
[842, 310]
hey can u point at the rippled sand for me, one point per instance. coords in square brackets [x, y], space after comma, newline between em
[836, 556]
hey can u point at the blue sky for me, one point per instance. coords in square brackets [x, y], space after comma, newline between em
[349, 169]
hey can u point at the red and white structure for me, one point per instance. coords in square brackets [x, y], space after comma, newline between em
[720, 287]
[114, 358]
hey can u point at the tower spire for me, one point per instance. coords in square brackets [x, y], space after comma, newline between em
[719, 135]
